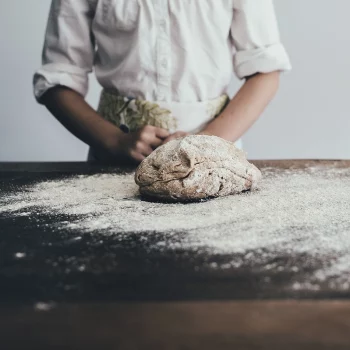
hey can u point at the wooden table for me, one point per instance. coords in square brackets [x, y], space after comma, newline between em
[147, 305]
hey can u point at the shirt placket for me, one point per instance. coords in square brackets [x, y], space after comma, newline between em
[163, 61]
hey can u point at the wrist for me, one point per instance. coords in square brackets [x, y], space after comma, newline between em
[114, 141]
[218, 127]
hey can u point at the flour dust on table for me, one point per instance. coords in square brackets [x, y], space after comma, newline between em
[296, 213]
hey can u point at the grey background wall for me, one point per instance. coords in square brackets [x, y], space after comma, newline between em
[308, 119]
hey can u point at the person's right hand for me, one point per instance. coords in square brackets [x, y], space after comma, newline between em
[176, 135]
[138, 145]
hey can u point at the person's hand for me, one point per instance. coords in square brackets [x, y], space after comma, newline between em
[175, 135]
[206, 133]
[138, 145]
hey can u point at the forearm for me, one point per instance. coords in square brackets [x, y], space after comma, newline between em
[73, 112]
[245, 108]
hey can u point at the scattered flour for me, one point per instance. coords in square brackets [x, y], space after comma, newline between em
[44, 307]
[295, 213]
[20, 255]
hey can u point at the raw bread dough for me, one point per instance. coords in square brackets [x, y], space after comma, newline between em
[196, 167]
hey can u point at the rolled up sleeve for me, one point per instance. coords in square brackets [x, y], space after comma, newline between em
[256, 39]
[68, 52]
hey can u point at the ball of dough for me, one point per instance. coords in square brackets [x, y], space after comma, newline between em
[194, 168]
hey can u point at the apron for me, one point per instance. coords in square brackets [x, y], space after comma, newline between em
[130, 114]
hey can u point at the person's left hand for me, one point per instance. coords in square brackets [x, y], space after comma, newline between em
[175, 135]
[206, 133]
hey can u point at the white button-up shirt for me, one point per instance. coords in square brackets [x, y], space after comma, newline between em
[159, 50]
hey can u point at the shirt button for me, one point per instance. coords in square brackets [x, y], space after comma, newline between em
[162, 24]
[164, 63]
[161, 95]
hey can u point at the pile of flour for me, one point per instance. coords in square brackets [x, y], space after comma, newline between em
[295, 213]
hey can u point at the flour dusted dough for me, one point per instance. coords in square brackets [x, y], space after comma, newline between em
[196, 167]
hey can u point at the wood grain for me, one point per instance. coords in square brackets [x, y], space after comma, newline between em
[72, 167]
[196, 325]
[204, 325]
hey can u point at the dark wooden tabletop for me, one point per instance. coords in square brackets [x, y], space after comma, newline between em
[146, 301]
